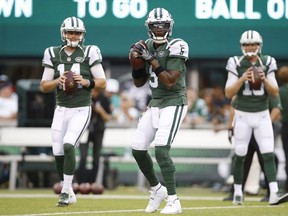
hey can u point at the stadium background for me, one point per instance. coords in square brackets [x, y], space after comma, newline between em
[212, 29]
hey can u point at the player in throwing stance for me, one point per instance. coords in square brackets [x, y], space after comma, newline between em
[252, 111]
[165, 71]
[72, 114]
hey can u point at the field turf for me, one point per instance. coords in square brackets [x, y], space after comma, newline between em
[129, 201]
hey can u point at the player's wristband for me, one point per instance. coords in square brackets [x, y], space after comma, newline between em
[88, 81]
[137, 74]
[158, 70]
[91, 83]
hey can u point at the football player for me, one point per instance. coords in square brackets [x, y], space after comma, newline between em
[72, 114]
[252, 111]
[165, 71]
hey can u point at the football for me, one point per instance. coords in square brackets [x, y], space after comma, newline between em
[136, 62]
[84, 188]
[57, 187]
[256, 85]
[75, 187]
[97, 188]
[70, 84]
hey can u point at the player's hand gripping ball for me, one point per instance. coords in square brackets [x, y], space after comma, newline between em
[70, 86]
[256, 85]
[135, 55]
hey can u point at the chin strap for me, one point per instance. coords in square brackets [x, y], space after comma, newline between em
[160, 40]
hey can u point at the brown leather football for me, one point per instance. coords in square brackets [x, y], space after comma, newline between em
[256, 85]
[136, 62]
[70, 84]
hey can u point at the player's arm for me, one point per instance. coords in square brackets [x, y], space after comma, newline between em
[99, 77]
[98, 108]
[271, 85]
[140, 77]
[275, 108]
[48, 83]
[178, 54]
[98, 82]
[234, 83]
[270, 81]
[275, 114]
[168, 78]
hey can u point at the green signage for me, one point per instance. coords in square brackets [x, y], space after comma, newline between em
[212, 28]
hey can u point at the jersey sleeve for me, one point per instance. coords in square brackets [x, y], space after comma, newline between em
[46, 61]
[271, 64]
[178, 48]
[231, 66]
[94, 54]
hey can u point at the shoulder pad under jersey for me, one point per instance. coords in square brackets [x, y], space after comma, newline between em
[178, 48]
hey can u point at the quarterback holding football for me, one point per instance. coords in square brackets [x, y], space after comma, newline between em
[165, 71]
[63, 64]
[252, 111]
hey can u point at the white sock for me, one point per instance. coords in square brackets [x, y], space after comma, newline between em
[154, 188]
[238, 189]
[67, 183]
[273, 186]
[172, 197]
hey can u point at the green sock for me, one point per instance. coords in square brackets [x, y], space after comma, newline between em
[167, 168]
[59, 166]
[269, 166]
[145, 164]
[69, 159]
[238, 169]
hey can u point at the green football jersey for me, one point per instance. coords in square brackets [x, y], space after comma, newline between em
[171, 56]
[249, 100]
[80, 62]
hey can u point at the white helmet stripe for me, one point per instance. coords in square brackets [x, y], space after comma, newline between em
[160, 13]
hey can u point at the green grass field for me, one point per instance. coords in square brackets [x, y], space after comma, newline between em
[128, 201]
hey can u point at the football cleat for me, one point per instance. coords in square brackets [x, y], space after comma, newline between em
[156, 198]
[173, 206]
[72, 198]
[63, 200]
[275, 199]
[228, 198]
[238, 200]
[265, 198]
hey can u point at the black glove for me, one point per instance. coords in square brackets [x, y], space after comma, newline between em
[143, 52]
[230, 134]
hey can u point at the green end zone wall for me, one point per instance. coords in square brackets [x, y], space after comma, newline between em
[211, 27]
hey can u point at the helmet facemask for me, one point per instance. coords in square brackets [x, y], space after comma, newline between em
[72, 24]
[159, 24]
[73, 43]
[251, 37]
[250, 53]
[159, 31]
